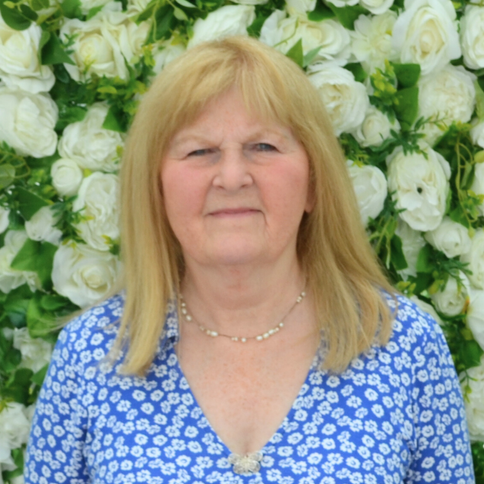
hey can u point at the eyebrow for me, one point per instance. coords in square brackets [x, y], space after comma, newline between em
[179, 140]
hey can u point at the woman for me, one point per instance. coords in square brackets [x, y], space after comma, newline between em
[258, 340]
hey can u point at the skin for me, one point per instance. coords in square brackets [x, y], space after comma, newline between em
[235, 191]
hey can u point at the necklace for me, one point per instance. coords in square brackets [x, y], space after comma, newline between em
[242, 339]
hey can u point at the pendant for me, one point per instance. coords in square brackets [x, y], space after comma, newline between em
[245, 464]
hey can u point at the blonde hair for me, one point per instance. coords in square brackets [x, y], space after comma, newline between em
[342, 272]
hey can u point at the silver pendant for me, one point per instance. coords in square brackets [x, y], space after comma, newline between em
[246, 464]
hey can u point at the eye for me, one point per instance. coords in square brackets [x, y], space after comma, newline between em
[264, 147]
[200, 152]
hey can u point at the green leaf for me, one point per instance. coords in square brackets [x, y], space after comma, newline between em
[458, 215]
[28, 13]
[13, 18]
[480, 81]
[71, 8]
[184, 3]
[40, 4]
[147, 12]
[180, 14]
[348, 15]
[69, 115]
[18, 459]
[52, 302]
[10, 357]
[53, 52]
[16, 311]
[255, 27]
[17, 386]
[29, 203]
[93, 11]
[423, 261]
[310, 56]
[321, 12]
[39, 321]
[407, 74]
[165, 21]
[406, 106]
[296, 53]
[38, 378]
[357, 70]
[111, 121]
[36, 257]
[470, 354]
[479, 100]
[397, 257]
[7, 175]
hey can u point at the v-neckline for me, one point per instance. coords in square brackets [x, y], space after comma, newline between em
[265, 450]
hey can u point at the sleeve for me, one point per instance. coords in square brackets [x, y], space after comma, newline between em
[55, 452]
[442, 452]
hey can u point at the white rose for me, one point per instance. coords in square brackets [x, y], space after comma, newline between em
[19, 59]
[301, 6]
[104, 43]
[475, 258]
[376, 7]
[251, 2]
[453, 298]
[343, 3]
[474, 378]
[475, 316]
[371, 42]
[370, 187]
[426, 34]
[283, 32]
[14, 425]
[223, 22]
[427, 308]
[98, 202]
[412, 243]
[345, 99]
[83, 274]
[420, 185]
[472, 36]
[89, 144]
[41, 226]
[66, 176]
[36, 352]
[375, 128]
[166, 52]
[27, 122]
[477, 133]
[12, 278]
[449, 237]
[478, 184]
[4, 220]
[448, 95]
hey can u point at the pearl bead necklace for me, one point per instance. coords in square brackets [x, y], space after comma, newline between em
[241, 339]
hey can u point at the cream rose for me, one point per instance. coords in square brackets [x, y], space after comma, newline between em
[12, 278]
[452, 299]
[343, 3]
[448, 95]
[426, 34]
[375, 128]
[251, 2]
[475, 258]
[474, 378]
[376, 7]
[4, 219]
[41, 226]
[14, 425]
[472, 36]
[370, 187]
[475, 316]
[371, 41]
[301, 6]
[478, 184]
[104, 43]
[420, 187]
[223, 22]
[98, 202]
[477, 133]
[19, 59]
[89, 144]
[83, 274]
[66, 176]
[27, 122]
[412, 243]
[449, 237]
[345, 99]
[36, 352]
[282, 32]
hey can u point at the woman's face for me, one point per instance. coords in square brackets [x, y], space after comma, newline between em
[235, 188]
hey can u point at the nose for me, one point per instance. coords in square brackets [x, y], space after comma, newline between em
[233, 170]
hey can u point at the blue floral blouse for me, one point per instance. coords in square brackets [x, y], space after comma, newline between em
[394, 416]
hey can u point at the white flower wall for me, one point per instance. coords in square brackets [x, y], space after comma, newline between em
[402, 81]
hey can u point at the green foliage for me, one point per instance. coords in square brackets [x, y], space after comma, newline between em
[348, 15]
[478, 458]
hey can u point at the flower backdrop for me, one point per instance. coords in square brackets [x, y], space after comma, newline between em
[402, 81]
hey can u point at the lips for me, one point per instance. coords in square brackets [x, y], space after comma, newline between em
[234, 212]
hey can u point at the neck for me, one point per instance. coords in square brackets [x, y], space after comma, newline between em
[246, 301]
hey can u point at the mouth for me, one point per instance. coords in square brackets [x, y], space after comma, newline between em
[234, 212]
